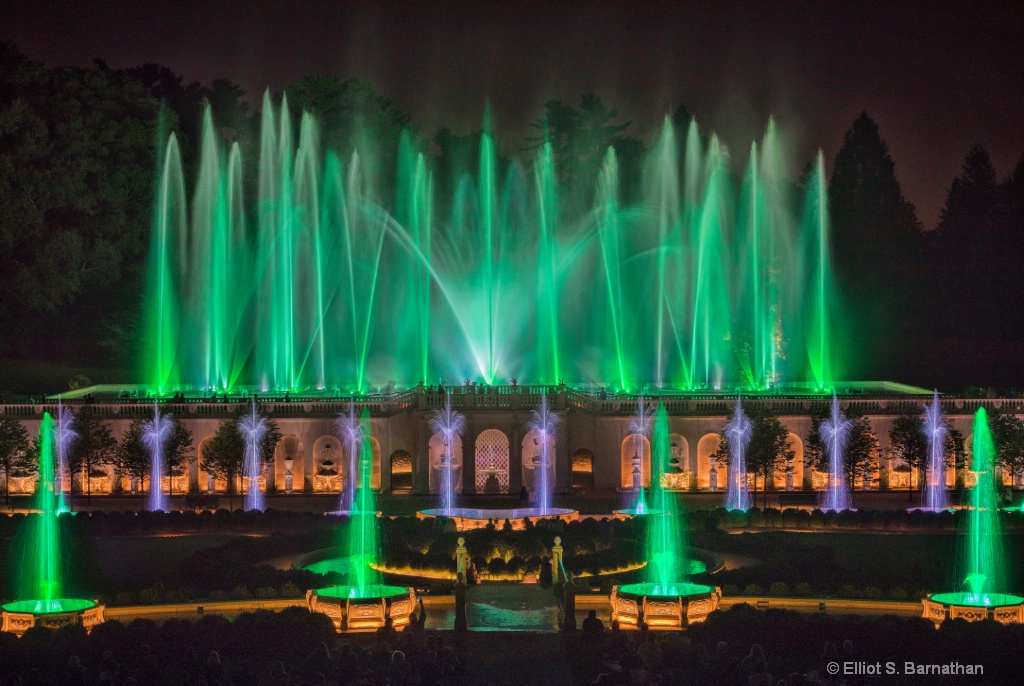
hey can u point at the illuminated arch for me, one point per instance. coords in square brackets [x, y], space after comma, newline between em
[583, 469]
[531, 452]
[492, 461]
[436, 451]
[401, 471]
[635, 445]
[706, 447]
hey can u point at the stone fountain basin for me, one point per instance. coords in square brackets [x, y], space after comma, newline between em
[637, 512]
[21, 615]
[974, 607]
[673, 606]
[476, 518]
[351, 608]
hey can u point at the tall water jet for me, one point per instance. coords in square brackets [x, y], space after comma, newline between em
[363, 603]
[253, 426]
[64, 435]
[155, 435]
[350, 428]
[835, 431]
[738, 432]
[982, 572]
[447, 424]
[41, 579]
[666, 599]
[544, 425]
[936, 431]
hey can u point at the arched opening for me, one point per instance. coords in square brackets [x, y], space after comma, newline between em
[706, 447]
[328, 466]
[791, 475]
[289, 461]
[401, 472]
[207, 481]
[491, 461]
[583, 469]
[374, 464]
[438, 455]
[677, 473]
[635, 453]
[533, 450]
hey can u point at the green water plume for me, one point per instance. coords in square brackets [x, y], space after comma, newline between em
[666, 531]
[363, 546]
[983, 572]
[41, 577]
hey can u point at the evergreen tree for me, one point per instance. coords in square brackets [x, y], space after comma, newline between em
[95, 446]
[14, 449]
[875, 244]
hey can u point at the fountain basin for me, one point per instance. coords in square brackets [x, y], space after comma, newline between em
[974, 607]
[467, 518]
[664, 607]
[637, 512]
[363, 609]
[22, 615]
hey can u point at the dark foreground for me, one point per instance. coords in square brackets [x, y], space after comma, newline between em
[742, 647]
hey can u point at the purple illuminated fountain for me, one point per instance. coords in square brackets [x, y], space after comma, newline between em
[835, 432]
[63, 436]
[447, 424]
[543, 425]
[350, 428]
[252, 427]
[738, 432]
[935, 479]
[155, 435]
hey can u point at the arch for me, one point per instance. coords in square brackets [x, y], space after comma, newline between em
[207, 482]
[583, 469]
[491, 460]
[677, 473]
[635, 446]
[436, 456]
[375, 453]
[531, 455]
[328, 473]
[401, 471]
[706, 447]
[794, 466]
[289, 448]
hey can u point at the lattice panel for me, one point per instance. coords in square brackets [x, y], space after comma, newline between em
[492, 459]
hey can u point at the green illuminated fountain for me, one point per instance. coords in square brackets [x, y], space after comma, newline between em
[696, 282]
[666, 599]
[982, 568]
[41, 578]
[364, 603]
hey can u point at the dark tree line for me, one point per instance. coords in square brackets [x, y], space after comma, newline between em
[79, 149]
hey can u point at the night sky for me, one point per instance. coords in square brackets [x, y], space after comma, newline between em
[937, 77]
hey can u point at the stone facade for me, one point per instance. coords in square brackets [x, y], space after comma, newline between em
[593, 450]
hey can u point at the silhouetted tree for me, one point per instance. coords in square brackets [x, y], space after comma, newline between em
[908, 446]
[875, 240]
[95, 446]
[14, 448]
[224, 454]
[860, 454]
[767, 452]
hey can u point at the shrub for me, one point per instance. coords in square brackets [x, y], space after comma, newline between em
[753, 589]
[289, 590]
[779, 589]
[240, 593]
[217, 596]
[125, 598]
[266, 593]
[872, 593]
[803, 590]
[898, 593]
[730, 589]
[846, 591]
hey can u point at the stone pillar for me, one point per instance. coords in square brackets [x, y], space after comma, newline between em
[421, 461]
[568, 606]
[469, 460]
[556, 560]
[515, 462]
[461, 561]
